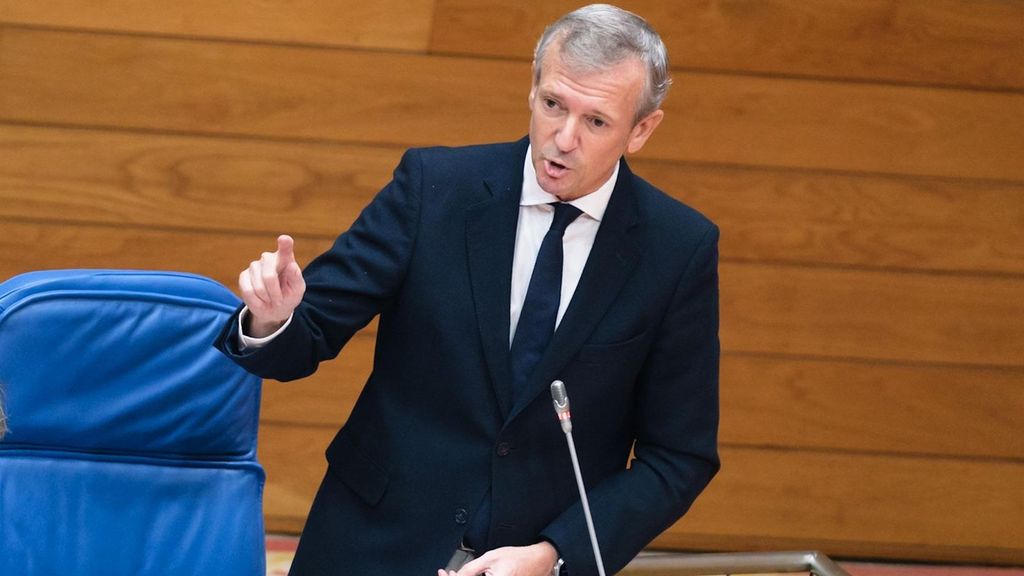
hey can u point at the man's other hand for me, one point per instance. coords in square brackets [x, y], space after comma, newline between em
[536, 560]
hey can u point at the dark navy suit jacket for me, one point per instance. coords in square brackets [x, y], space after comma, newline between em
[435, 425]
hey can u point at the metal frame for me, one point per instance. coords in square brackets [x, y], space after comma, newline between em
[672, 564]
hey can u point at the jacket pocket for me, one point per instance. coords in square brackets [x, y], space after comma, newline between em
[350, 464]
[623, 350]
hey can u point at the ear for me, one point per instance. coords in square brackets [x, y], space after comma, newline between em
[643, 130]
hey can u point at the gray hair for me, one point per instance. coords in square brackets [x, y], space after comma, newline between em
[599, 36]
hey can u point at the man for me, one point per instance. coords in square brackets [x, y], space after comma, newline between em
[453, 451]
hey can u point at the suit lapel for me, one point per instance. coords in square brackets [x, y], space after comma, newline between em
[490, 243]
[610, 264]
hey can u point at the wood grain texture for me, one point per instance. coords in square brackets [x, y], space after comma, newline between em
[780, 402]
[857, 220]
[162, 181]
[872, 315]
[871, 407]
[950, 42]
[27, 246]
[279, 91]
[293, 457]
[325, 398]
[795, 217]
[853, 509]
[844, 127]
[819, 312]
[399, 99]
[842, 504]
[862, 157]
[389, 24]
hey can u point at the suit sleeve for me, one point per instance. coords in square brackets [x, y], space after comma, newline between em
[346, 286]
[675, 452]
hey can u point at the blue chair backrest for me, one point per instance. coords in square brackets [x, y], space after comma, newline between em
[131, 446]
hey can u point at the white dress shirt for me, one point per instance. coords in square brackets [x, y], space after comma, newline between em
[535, 216]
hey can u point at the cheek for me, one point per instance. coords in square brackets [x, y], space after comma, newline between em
[540, 125]
[601, 151]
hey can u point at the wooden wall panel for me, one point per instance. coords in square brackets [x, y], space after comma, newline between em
[861, 220]
[781, 402]
[949, 42]
[390, 24]
[281, 92]
[780, 216]
[326, 398]
[872, 407]
[863, 159]
[765, 309]
[851, 505]
[275, 91]
[26, 246]
[871, 315]
[939, 409]
[847, 127]
[251, 186]
[842, 504]
[293, 457]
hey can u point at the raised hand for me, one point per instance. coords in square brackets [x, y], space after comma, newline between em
[271, 288]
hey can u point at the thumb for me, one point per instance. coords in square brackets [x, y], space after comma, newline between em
[285, 252]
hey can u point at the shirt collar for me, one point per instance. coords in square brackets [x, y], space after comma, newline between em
[593, 204]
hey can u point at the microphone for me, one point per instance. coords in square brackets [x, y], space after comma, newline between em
[560, 399]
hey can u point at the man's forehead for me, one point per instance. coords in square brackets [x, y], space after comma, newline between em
[624, 77]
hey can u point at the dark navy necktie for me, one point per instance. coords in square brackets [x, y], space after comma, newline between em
[540, 309]
[533, 333]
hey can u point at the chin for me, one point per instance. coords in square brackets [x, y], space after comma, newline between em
[556, 190]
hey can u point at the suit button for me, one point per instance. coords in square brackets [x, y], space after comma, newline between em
[461, 516]
[504, 448]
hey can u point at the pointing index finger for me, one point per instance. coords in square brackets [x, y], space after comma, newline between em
[285, 252]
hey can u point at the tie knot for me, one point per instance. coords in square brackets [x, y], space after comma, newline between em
[564, 215]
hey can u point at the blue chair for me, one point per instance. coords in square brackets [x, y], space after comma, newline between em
[131, 446]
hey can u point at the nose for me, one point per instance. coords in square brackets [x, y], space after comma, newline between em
[566, 135]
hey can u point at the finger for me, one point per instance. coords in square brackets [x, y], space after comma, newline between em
[245, 287]
[293, 285]
[478, 566]
[271, 278]
[285, 251]
[259, 289]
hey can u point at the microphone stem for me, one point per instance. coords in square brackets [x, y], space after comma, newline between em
[586, 503]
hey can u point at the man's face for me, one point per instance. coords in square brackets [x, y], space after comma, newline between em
[581, 124]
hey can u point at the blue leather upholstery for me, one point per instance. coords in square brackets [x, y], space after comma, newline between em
[132, 442]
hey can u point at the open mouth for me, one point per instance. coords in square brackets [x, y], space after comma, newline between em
[555, 169]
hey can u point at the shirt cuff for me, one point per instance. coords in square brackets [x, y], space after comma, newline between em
[252, 343]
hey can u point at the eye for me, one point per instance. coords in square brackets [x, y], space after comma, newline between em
[598, 123]
[550, 103]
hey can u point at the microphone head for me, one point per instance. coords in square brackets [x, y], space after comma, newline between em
[561, 401]
[559, 397]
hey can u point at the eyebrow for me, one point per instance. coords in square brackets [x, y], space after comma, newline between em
[594, 112]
